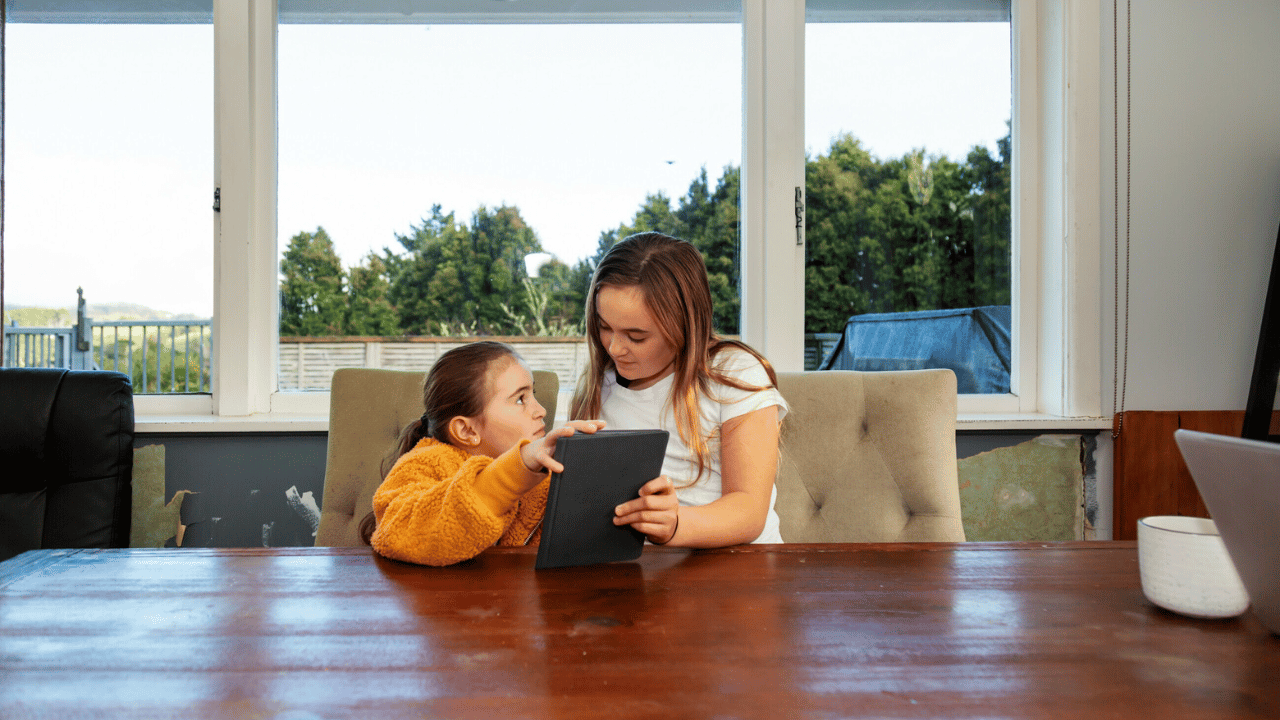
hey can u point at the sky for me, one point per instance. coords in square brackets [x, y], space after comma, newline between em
[109, 180]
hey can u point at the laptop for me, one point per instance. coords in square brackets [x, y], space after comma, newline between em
[1240, 483]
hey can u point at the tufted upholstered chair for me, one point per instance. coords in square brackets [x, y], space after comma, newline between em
[66, 459]
[869, 457]
[367, 410]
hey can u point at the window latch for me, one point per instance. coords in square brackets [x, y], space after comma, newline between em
[799, 216]
[217, 199]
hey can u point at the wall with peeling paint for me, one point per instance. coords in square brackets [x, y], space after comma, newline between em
[229, 490]
[1034, 490]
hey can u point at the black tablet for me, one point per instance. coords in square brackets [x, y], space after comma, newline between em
[601, 471]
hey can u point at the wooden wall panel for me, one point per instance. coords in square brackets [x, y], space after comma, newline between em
[1149, 475]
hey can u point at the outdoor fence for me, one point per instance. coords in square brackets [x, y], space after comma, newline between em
[172, 356]
[159, 356]
[308, 363]
[39, 347]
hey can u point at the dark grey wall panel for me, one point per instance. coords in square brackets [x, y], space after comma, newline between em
[241, 483]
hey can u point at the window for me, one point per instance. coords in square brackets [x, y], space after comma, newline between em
[1054, 146]
[108, 164]
[908, 143]
[464, 175]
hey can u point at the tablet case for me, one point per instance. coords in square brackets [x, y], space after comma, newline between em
[601, 471]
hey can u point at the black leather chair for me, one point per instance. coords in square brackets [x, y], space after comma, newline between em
[66, 459]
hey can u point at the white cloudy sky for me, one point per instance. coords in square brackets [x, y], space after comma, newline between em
[109, 170]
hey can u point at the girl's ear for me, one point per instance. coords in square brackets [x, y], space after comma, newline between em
[464, 432]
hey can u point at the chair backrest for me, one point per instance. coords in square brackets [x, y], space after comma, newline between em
[66, 453]
[869, 457]
[368, 408]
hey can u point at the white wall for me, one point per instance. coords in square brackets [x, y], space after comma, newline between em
[1205, 202]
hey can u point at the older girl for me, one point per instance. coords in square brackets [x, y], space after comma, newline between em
[655, 361]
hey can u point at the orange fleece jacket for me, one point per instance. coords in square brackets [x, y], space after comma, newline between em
[439, 505]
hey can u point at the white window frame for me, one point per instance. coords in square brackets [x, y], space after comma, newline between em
[1056, 215]
[1056, 69]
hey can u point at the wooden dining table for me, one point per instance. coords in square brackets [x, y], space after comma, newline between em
[965, 630]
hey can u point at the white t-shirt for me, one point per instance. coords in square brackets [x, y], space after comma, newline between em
[625, 409]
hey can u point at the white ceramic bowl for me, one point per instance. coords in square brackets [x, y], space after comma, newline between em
[1185, 567]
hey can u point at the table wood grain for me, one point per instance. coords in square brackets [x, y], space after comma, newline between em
[974, 630]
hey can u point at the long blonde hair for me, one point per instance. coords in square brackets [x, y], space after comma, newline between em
[672, 279]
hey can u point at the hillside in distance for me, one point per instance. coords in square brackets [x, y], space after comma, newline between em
[98, 312]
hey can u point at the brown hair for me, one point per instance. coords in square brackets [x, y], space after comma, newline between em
[459, 383]
[672, 279]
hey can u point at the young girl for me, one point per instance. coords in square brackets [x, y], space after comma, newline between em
[655, 361]
[474, 470]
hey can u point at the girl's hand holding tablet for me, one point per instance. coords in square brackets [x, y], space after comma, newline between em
[655, 513]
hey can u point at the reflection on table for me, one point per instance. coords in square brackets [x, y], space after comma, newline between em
[920, 630]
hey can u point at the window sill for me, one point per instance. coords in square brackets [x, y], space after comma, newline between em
[309, 423]
[1028, 421]
[276, 423]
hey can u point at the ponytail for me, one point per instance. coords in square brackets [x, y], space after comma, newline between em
[367, 526]
[412, 434]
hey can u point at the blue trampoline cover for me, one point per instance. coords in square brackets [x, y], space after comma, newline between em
[973, 342]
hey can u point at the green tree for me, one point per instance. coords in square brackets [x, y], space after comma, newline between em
[312, 298]
[991, 204]
[844, 257]
[369, 312]
[916, 233]
[654, 215]
[566, 289]
[709, 219]
[454, 276]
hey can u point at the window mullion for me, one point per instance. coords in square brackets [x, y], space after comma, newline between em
[245, 307]
[773, 167]
[1057, 165]
[1082, 357]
